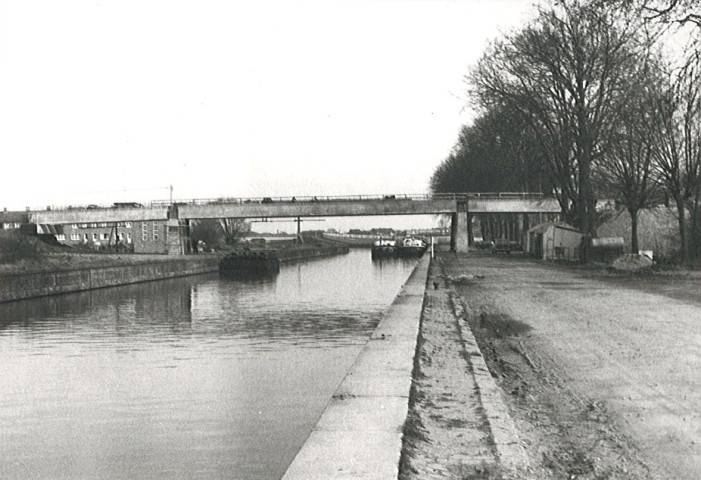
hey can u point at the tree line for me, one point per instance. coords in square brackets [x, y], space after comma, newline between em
[586, 102]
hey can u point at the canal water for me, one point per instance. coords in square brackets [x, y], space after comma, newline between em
[200, 377]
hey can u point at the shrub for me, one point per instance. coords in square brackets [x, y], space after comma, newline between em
[14, 248]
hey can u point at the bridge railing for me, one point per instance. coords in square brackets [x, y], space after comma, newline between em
[344, 198]
[289, 199]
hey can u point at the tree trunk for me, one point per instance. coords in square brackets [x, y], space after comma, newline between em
[695, 234]
[634, 247]
[683, 249]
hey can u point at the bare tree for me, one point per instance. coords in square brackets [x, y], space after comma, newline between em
[568, 73]
[627, 169]
[679, 12]
[677, 146]
[233, 229]
[207, 231]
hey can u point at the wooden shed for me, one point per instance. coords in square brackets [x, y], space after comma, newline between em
[554, 241]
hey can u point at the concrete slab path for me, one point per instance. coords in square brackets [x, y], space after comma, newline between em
[359, 434]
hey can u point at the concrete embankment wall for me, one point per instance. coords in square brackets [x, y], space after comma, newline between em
[359, 434]
[351, 240]
[293, 255]
[30, 285]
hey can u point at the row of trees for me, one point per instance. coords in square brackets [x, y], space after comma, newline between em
[584, 103]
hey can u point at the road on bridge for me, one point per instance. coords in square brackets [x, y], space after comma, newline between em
[600, 371]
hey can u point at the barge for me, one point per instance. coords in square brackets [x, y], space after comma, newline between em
[250, 263]
[383, 248]
[411, 247]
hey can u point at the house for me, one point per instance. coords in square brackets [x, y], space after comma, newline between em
[13, 220]
[554, 241]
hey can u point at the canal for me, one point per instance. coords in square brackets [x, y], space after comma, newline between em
[200, 377]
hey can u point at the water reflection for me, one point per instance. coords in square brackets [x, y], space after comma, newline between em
[142, 303]
[200, 377]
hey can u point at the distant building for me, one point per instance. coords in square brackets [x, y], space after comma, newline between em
[13, 220]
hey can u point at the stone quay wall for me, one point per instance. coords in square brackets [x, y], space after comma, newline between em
[20, 286]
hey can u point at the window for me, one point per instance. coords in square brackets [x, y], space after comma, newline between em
[93, 225]
[128, 237]
[155, 231]
[85, 237]
[105, 236]
[94, 237]
[83, 225]
[127, 224]
[75, 225]
[103, 225]
[144, 232]
[75, 236]
[61, 237]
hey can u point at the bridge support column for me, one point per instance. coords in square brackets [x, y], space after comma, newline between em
[178, 237]
[459, 238]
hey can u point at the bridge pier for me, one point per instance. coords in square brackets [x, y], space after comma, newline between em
[459, 237]
[178, 237]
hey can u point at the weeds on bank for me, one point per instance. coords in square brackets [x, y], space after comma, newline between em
[484, 471]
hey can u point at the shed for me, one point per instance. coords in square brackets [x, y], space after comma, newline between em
[554, 241]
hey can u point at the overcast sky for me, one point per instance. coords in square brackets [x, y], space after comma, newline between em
[115, 100]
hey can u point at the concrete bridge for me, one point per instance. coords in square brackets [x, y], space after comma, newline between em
[459, 206]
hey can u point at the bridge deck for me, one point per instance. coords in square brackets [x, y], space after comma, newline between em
[307, 207]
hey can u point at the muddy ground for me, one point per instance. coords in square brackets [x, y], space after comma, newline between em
[601, 372]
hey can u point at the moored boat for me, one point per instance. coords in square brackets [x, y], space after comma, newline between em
[411, 247]
[250, 263]
[383, 248]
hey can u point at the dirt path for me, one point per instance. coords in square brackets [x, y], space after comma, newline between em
[602, 375]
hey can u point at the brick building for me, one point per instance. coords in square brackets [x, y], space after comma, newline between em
[141, 237]
[151, 236]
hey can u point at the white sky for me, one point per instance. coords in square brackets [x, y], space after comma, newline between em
[115, 100]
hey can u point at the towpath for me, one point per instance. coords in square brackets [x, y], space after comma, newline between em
[599, 374]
